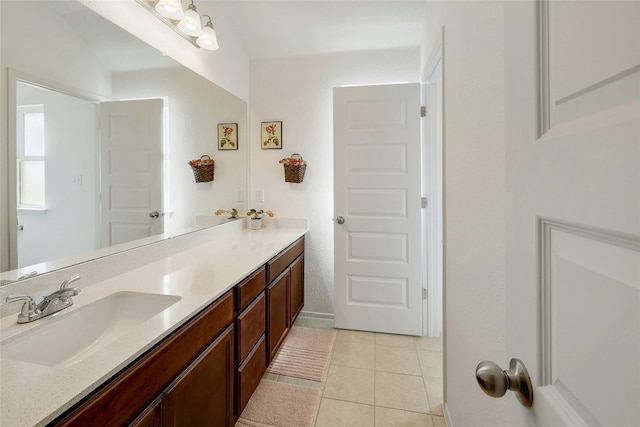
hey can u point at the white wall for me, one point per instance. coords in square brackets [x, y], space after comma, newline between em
[474, 192]
[195, 108]
[298, 92]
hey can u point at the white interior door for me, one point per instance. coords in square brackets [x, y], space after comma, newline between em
[573, 209]
[377, 203]
[131, 170]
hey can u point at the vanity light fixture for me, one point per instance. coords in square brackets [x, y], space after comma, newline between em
[208, 39]
[186, 23]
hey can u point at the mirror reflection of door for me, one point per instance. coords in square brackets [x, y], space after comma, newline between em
[56, 186]
[131, 170]
[59, 207]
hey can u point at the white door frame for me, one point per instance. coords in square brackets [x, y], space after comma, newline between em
[432, 138]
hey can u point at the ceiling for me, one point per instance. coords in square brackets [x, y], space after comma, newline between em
[272, 29]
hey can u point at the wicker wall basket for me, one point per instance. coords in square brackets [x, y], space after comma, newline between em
[203, 169]
[295, 173]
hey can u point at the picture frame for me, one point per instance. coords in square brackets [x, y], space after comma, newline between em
[271, 135]
[227, 136]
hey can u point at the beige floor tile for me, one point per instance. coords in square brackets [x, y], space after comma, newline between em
[387, 417]
[353, 354]
[430, 363]
[438, 421]
[356, 336]
[429, 343]
[400, 391]
[434, 394]
[336, 413]
[395, 340]
[352, 384]
[314, 322]
[397, 359]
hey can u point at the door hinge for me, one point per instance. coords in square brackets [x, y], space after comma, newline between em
[423, 111]
[423, 202]
[424, 293]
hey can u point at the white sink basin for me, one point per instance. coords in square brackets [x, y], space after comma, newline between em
[65, 340]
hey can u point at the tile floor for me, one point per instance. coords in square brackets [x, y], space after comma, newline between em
[378, 380]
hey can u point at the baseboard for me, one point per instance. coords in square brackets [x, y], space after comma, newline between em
[447, 415]
[328, 316]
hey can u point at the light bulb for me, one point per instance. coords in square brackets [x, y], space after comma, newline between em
[171, 9]
[208, 39]
[190, 24]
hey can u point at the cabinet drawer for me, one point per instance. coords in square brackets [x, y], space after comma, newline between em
[119, 401]
[250, 287]
[282, 260]
[249, 374]
[251, 326]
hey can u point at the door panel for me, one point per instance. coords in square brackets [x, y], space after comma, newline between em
[573, 209]
[377, 179]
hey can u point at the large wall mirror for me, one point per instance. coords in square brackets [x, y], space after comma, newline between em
[100, 130]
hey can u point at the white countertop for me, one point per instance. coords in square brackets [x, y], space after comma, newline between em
[33, 395]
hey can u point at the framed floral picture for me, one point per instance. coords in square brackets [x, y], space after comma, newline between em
[227, 136]
[271, 135]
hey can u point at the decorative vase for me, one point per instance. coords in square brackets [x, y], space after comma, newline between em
[255, 223]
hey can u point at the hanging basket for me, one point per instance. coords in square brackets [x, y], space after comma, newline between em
[203, 168]
[294, 168]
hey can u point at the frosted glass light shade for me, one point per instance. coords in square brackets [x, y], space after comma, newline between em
[171, 9]
[190, 24]
[208, 39]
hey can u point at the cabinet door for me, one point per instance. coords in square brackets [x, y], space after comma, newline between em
[150, 417]
[277, 313]
[203, 394]
[297, 287]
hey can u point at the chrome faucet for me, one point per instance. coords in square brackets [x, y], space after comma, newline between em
[58, 300]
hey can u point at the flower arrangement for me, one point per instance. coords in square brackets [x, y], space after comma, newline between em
[294, 168]
[293, 161]
[257, 214]
[202, 162]
[233, 213]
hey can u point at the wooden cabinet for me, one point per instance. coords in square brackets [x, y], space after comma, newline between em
[205, 372]
[285, 294]
[128, 396]
[203, 393]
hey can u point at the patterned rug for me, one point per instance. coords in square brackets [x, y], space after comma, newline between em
[280, 404]
[304, 354]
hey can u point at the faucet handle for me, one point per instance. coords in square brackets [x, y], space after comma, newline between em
[29, 305]
[69, 281]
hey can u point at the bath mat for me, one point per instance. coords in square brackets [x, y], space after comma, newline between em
[304, 354]
[280, 404]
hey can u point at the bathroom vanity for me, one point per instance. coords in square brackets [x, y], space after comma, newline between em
[196, 362]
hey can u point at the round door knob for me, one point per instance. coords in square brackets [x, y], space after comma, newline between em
[495, 382]
[154, 214]
[340, 220]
